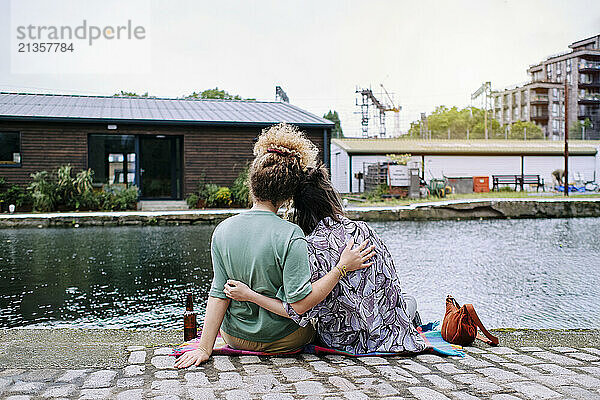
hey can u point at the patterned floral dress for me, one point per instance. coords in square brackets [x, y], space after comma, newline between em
[366, 311]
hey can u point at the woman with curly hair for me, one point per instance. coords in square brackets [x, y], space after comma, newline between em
[270, 255]
[367, 311]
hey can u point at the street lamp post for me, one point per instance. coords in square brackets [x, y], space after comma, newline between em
[566, 182]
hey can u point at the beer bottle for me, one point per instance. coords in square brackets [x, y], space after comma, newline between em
[189, 319]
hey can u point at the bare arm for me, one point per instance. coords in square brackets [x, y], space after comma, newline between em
[215, 311]
[353, 259]
[320, 289]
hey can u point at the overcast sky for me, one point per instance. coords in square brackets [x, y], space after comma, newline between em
[426, 53]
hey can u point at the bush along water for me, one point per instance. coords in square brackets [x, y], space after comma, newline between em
[13, 194]
[61, 191]
[240, 190]
[209, 195]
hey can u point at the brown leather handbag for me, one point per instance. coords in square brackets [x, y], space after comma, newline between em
[461, 323]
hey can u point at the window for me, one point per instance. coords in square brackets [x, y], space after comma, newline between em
[555, 93]
[112, 158]
[10, 148]
[555, 125]
[555, 110]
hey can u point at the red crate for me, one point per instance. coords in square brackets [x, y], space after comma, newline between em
[481, 184]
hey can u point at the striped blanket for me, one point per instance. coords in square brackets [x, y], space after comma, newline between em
[435, 344]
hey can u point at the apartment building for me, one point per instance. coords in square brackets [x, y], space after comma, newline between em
[542, 99]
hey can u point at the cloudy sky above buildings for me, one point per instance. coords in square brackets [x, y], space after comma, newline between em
[425, 53]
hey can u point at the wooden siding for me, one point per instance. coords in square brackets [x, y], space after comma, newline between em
[217, 153]
[45, 148]
[220, 154]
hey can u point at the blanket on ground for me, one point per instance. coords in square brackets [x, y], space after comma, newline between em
[434, 340]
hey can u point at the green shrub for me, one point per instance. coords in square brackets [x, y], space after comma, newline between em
[192, 200]
[116, 198]
[220, 197]
[61, 190]
[375, 194]
[83, 181]
[75, 193]
[214, 196]
[44, 191]
[240, 191]
[89, 200]
[202, 193]
[13, 194]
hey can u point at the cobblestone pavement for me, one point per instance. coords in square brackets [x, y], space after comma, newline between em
[500, 373]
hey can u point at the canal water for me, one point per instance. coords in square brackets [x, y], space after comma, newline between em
[517, 273]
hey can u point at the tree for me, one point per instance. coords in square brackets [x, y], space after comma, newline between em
[130, 94]
[215, 93]
[335, 118]
[454, 123]
[522, 130]
[580, 129]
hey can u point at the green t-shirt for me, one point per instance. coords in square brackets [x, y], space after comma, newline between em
[268, 254]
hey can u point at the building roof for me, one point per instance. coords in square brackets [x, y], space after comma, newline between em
[465, 147]
[592, 39]
[51, 107]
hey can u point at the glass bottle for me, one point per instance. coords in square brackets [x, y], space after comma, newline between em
[190, 330]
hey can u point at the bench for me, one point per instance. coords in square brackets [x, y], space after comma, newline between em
[532, 180]
[498, 180]
[518, 180]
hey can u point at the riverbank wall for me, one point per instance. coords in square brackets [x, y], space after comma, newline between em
[114, 364]
[509, 208]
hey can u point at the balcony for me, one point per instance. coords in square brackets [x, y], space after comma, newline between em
[539, 98]
[589, 66]
[589, 79]
[589, 98]
[588, 83]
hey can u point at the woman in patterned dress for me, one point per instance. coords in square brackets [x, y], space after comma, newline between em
[367, 311]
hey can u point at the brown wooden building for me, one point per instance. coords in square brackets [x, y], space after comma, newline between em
[163, 146]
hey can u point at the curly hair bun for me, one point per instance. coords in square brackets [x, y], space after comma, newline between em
[286, 140]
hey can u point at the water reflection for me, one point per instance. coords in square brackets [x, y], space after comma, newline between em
[518, 273]
[133, 277]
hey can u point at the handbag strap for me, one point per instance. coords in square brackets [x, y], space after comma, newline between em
[453, 301]
[489, 339]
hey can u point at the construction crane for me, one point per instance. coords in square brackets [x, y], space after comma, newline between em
[280, 95]
[484, 90]
[368, 98]
[394, 109]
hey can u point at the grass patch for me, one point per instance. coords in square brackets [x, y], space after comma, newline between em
[470, 196]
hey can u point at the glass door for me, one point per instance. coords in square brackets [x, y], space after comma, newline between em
[160, 167]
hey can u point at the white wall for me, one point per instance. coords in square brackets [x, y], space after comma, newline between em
[598, 165]
[544, 165]
[454, 166]
[339, 169]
